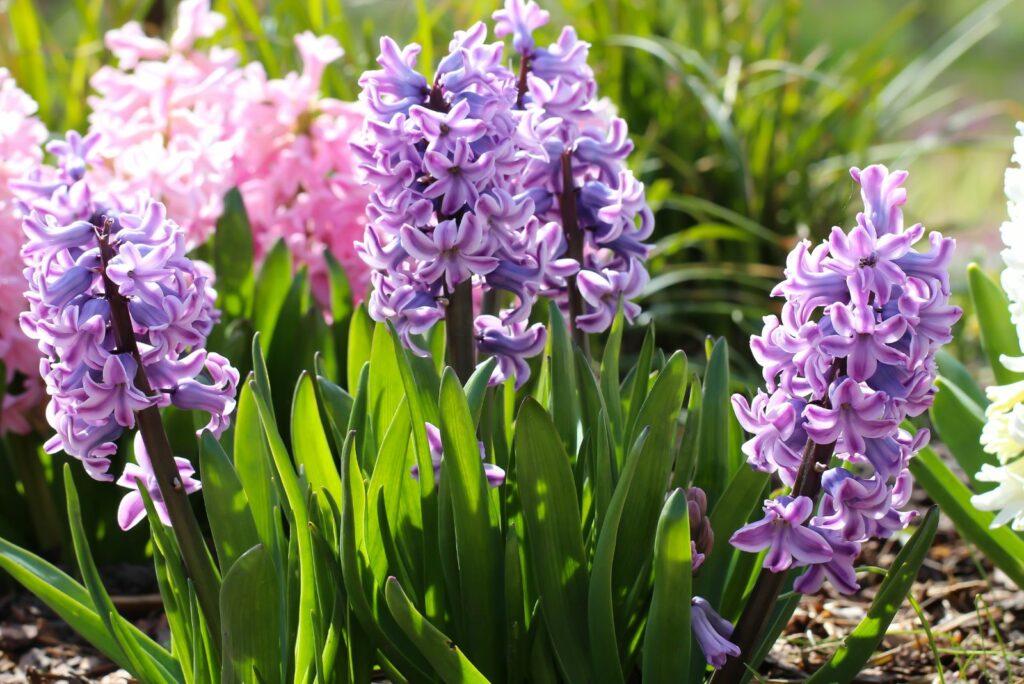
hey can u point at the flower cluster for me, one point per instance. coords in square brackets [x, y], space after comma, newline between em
[1003, 434]
[186, 125]
[167, 121]
[21, 139]
[515, 184]
[850, 357]
[118, 311]
[296, 170]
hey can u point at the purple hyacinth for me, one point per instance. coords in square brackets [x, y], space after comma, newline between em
[511, 183]
[86, 250]
[494, 474]
[850, 357]
[135, 477]
[712, 632]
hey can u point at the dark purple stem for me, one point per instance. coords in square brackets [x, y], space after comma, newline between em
[769, 585]
[195, 555]
[574, 236]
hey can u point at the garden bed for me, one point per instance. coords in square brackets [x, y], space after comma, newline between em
[975, 614]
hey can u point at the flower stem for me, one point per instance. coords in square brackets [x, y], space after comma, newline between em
[574, 236]
[195, 554]
[769, 585]
[458, 326]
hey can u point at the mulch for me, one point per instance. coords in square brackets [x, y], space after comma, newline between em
[975, 615]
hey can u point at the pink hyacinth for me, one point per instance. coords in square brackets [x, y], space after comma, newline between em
[184, 125]
[167, 119]
[296, 171]
[21, 137]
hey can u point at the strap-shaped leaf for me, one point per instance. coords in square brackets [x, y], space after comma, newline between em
[149, 663]
[666, 646]
[443, 655]
[251, 646]
[272, 285]
[850, 658]
[551, 514]
[309, 441]
[998, 334]
[478, 544]
[716, 461]
[1000, 545]
[959, 422]
[233, 257]
[227, 506]
[660, 413]
[564, 399]
[254, 465]
[604, 640]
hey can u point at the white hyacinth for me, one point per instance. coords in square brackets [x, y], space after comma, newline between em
[1003, 434]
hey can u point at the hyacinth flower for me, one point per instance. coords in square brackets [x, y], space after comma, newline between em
[712, 631]
[495, 475]
[851, 355]
[185, 124]
[121, 315]
[21, 139]
[510, 184]
[1003, 434]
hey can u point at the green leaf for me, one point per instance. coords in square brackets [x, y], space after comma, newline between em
[360, 340]
[443, 655]
[715, 461]
[132, 644]
[476, 387]
[604, 641]
[998, 334]
[959, 422]
[641, 379]
[254, 465]
[610, 375]
[958, 374]
[564, 399]
[70, 600]
[660, 412]
[666, 646]
[309, 441]
[554, 547]
[233, 257]
[271, 289]
[1000, 545]
[392, 483]
[478, 543]
[227, 506]
[858, 647]
[358, 585]
[292, 349]
[385, 386]
[251, 645]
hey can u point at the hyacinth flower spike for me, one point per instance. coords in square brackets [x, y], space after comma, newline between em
[851, 356]
[121, 317]
[510, 185]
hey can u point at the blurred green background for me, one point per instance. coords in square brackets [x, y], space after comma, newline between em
[746, 113]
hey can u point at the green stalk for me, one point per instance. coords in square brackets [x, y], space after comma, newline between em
[195, 554]
[458, 322]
